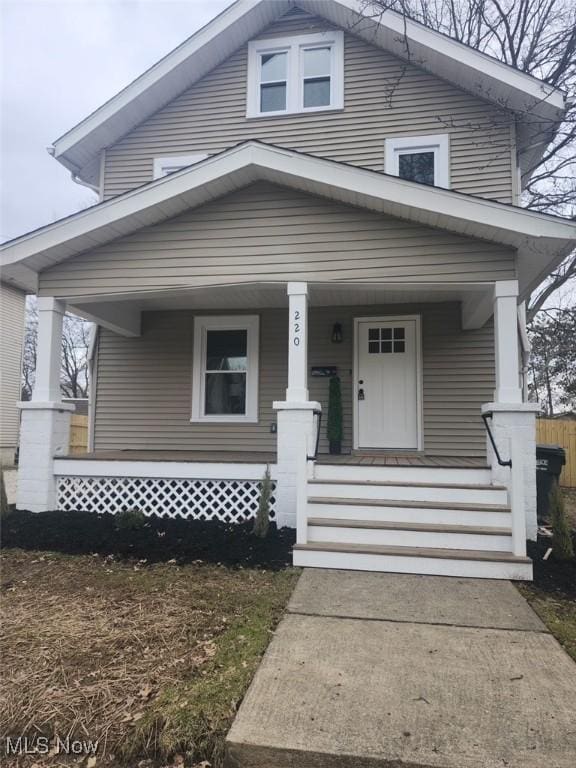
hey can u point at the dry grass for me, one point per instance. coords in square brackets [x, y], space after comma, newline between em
[148, 660]
[569, 495]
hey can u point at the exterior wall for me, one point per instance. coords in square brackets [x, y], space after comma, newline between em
[12, 312]
[144, 384]
[384, 98]
[270, 233]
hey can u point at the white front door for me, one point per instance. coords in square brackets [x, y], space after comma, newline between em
[387, 383]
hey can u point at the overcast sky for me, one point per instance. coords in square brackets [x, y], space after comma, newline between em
[60, 60]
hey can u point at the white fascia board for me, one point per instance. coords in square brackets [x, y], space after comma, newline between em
[217, 175]
[509, 81]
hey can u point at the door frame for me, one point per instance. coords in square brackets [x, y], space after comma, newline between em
[419, 377]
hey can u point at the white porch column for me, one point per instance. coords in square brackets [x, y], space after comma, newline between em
[506, 342]
[297, 343]
[513, 422]
[45, 424]
[296, 423]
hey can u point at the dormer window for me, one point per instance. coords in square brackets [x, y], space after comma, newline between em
[163, 166]
[297, 74]
[424, 159]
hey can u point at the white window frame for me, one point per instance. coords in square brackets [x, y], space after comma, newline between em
[202, 324]
[439, 144]
[163, 166]
[294, 48]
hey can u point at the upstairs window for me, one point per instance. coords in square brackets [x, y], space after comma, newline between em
[424, 159]
[163, 166]
[298, 74]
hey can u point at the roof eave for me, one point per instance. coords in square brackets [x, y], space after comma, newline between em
[487, 77]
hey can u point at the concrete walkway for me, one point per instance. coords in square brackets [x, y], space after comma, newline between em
[391, 670]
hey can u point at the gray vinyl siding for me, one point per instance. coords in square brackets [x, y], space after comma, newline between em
[270, 233]
[384, 98]
[144, 386]
[12, 310]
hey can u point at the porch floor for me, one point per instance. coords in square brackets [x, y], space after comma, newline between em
[264, 457]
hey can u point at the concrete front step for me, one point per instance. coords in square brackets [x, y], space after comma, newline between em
[497, 515]
[409, 534]
[405, 474]
[480, 564]
[389, 491]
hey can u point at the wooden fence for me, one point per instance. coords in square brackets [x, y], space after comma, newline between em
[78, 434]
[560, 432]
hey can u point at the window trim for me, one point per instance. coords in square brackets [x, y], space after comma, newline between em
[181, 161]
[294, 47]
[204, 323]
[437, 143]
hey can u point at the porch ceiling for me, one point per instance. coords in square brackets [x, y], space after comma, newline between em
[121, 314]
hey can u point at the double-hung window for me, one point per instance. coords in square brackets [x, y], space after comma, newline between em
[225, 369]
[297, 74]
[424, 159]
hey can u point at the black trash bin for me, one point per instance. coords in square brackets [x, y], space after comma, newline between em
[549, 462]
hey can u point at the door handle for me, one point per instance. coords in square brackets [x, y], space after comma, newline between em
[361, 395]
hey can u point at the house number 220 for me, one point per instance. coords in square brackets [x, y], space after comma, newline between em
[297, 329]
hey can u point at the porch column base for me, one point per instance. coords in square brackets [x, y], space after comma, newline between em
[44, 436]
[515, 422]
[295, 420]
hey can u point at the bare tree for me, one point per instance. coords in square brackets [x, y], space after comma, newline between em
[75, 343]
[537, 37]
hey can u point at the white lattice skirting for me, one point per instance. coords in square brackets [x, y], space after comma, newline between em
[230, 501]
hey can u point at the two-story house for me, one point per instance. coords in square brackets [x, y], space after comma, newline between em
[298, 192]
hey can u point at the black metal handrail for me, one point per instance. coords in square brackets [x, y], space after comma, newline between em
[316, 412]
[485, 417]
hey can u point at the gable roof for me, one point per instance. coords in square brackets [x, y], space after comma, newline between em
[79, 149]
[542, 241]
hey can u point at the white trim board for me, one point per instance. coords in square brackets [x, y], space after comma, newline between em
[183, 470]
[419, 374]
[465, 67]
[542, 241]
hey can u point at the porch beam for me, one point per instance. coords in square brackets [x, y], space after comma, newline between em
[477, 310]
[507, 350]
[119, 317]
[50, 319]
[297, 391]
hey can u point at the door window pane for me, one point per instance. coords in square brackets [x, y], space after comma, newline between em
[225, 393]
[417, 166]
[226, 350]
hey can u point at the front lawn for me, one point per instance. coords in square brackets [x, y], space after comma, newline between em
[150, 660]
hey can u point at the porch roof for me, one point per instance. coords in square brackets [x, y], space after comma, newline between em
[542, 241]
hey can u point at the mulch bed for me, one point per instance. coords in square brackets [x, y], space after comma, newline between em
[552, 576]
[156, 540]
